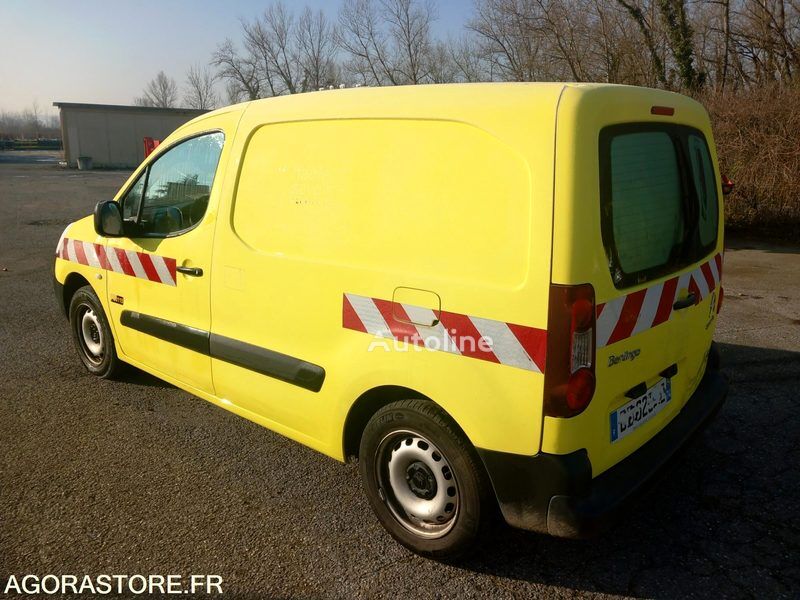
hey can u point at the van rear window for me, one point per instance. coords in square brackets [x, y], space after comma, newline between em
[658, 200]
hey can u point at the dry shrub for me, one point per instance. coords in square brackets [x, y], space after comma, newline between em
[757, 133]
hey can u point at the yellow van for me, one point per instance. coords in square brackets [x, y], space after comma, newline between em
[490, 294]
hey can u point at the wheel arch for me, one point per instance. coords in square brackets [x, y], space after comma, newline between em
[366, 405]
[370, 402]
[72, 283]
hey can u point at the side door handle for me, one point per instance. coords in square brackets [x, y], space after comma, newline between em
[192, 271]
[686, 302]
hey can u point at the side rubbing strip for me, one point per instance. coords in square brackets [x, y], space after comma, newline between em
[267, 362]
[169, 331]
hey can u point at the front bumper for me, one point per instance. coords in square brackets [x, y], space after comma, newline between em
[556, 494]
[58, 288]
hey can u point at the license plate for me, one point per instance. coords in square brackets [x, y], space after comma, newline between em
[638, 411]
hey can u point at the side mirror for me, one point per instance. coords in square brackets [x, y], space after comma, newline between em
[727, 186]
[108, 219]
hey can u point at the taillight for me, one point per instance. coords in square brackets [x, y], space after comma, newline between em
[727, 186]
[580, 389]
[569, 379]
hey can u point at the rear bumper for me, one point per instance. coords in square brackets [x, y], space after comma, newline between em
[556, 494]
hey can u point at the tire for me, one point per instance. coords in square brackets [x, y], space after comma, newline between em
[91, 334]
[424, 479]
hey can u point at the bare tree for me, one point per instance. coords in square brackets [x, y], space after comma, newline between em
[364, 41]
[467, 60]
[239, 71]
[234, 93]
[316, 45]
[30, 123]
[608, 49]
[767, 36]
[676, 44]
[440, 65]
[388, 42]
[162, 91]
[508, 40]
[200, 92]
[269, 39]
[32, 120]
[567, 39]
[646, 29]
[281, 54]
[409, 25]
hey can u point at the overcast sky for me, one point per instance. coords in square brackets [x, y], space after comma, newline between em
[105, 51]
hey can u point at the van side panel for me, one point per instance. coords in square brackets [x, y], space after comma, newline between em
[355, 200]
[383, 195]
[579, 256]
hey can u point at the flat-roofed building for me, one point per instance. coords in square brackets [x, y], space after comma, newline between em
[113, 135]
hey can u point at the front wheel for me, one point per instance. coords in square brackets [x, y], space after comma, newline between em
[92, 334]
[423, 479]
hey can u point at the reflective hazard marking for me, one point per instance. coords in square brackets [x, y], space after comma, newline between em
[159, 269]
[475, 337]
[633, 313]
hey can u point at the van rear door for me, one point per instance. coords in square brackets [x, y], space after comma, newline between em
[660, 227]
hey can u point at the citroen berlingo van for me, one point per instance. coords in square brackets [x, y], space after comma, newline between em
[491, 295]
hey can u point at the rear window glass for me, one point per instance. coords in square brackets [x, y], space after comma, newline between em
[706, 186]
[658, 198]
[646, 199]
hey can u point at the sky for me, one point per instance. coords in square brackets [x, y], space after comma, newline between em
[105, 51]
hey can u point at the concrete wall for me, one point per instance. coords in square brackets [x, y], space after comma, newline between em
[113, 135]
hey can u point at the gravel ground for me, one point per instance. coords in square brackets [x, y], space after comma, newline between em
[140, 477]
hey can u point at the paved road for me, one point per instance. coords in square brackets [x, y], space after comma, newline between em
[139, 477]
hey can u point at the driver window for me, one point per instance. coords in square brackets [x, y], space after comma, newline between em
[178, 185]
[130, 205]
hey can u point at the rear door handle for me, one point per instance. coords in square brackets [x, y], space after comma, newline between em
[686, 302]
[193, 271]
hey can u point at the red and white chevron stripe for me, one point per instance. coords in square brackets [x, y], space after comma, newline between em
[628, 315]
[475, 337]
[152, 267]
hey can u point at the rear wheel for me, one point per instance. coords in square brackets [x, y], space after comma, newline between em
[423, 479]
[92, 334]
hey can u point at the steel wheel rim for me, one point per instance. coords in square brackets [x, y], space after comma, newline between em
[90, 334]
[417, 484]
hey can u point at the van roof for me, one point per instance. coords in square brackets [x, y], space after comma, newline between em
[403, 93]
[450, 100]
[434, 92]
[451, 89]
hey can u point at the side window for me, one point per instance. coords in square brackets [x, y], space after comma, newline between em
[706, 186]
[645, 195]
[133, 199]
[178, 186]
